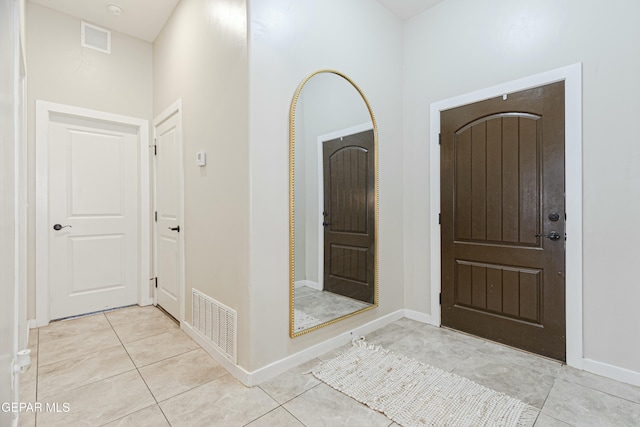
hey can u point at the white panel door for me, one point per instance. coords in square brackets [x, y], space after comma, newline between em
[93, 195]
[167, 230]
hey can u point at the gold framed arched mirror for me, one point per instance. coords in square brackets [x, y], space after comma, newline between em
[333, 202]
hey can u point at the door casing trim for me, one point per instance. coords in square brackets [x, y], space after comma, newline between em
[572, 76]
[173, 109]
[44, 109]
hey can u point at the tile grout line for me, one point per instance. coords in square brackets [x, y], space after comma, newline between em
[87, 384]
[547, 398]
[105, 378]
[139, 339]
[141, 377]
[132, 361]
[144, 338]
[158, 361]
[282, 405]
[300, 421]
[126, 415]
[162, 360]
[294, 397]
[615, 396]
[163, 414]
[198, 386]
[92, 382]
[70, 357]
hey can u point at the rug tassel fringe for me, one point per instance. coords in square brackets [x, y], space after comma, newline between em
[528, 417]
[361, 342]
[358, 341]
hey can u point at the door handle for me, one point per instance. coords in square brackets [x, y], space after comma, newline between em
[554, 235]
[175, 228]
[325, 223]
[60, 227]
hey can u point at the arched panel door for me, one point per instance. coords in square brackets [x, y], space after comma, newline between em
[503, 213]
[349, 213]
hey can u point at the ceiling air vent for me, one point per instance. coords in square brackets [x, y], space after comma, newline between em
[95, 38]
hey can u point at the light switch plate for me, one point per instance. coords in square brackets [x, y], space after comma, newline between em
[201, 158]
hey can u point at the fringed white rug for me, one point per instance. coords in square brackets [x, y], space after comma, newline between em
[303, 321]
[412, 393]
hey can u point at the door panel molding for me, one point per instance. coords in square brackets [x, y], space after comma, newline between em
[44, 110]
[572, 76]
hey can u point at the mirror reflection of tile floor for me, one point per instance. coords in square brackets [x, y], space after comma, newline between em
[323, 305]
[134, 367]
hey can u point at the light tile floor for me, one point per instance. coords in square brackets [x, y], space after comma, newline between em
[135, 367]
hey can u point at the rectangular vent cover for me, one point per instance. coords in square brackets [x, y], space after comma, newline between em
[216, 322]
[95, 38]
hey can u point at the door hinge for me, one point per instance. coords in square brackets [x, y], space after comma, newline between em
[155, 147]
[156, 216]
[440, 218]
[156, 282]
[439, 139]
[440, 298]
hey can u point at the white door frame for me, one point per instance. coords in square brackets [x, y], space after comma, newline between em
[572, 76]
[44, 110]
[321, 139]
[173, 109]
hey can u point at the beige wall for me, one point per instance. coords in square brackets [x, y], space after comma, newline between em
[289, 40]
[460, 46]
[61, 71]
[201, 57]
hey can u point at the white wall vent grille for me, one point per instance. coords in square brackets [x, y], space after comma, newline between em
[216, 322]
[95, 38]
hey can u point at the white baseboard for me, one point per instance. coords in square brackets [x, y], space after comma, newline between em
[614, 372]
[145, 301]
[274, 369]
[420, 317]
[308, 284]
[237, 371]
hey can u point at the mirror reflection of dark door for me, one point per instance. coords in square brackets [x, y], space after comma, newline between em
[349, 216]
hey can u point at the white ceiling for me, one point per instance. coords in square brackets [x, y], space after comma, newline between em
[145, 18]
[406, 9]
[141, 18]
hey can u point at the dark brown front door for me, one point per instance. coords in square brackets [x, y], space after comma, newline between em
[503, 213]
[349, 215]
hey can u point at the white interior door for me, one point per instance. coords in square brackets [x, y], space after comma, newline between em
[93, 195]
[168, 193]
